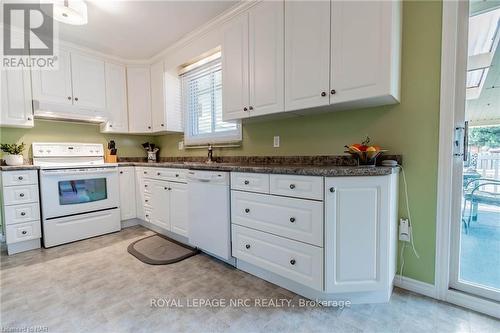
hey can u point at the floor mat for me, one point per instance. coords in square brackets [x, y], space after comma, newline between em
[160, 250]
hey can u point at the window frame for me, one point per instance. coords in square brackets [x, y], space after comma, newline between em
[225, 137]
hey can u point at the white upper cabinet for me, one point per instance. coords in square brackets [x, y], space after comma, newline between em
[365, 53]
[253, 62]
[235, 89]
[158, 110]
[116, 99]
[307, 50]
[266, 57]
[54, 86]
[296, 55]
[89, 90]
[16, 109]
[75, 90]
[139, 99]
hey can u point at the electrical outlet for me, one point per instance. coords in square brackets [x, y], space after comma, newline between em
[181, 145]
[404, 230]
[276, 142]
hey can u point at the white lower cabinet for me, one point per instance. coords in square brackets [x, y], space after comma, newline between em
[179, 211]
[160, 203]
[297, 261]
[360, 233]
[127, 193]
[288, 217]
[327, 238]
[20, 210]
[162, 198]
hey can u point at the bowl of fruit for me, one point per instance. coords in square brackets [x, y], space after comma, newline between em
[365, 153]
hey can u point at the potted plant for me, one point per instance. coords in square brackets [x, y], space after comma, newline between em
[13, 153]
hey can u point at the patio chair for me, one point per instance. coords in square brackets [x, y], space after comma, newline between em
[475, 193]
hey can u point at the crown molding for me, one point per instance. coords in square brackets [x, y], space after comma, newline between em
[205, 28]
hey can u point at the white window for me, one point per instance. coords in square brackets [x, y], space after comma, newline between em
[202, 105]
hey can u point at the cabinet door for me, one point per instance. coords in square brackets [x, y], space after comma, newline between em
[356, 234]
[16, 109]
[116, 99]
[179, 208]
[158, 97]
[89, 90]
[160, 203]
[266, 58]
[127, 193]
[140, 193]
[361, 44]
[235, 69]
[139, 99]
[307, 54]
[54, 86]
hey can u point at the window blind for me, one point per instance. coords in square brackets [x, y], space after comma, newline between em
[202, 106]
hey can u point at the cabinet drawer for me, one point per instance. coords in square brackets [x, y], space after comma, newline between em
[308, 187]
[175, 175]
[146, 186]
[147, 200]
[23, 231]
[293, 260]
[297, 219]
[20, 194]
[19, 177]
[253, 182]
[22, 213]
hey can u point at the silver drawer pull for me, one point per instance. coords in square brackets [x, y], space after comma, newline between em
[159, 174]
[292, 186]
[292, 219]
[20, 178]
[176, 175]
[23, 213]
[247, 246]
[332, 189]
[21, 195]
[24, 232]
[292, 262]
[246, 182]
[247, 210]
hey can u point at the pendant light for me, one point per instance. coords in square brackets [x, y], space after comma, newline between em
[72, 12]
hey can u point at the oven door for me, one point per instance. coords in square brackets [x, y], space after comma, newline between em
[68, 192]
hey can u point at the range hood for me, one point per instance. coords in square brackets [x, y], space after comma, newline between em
[54, 111]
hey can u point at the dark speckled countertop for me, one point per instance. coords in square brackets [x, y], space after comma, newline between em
[327, 166]
[306, 170]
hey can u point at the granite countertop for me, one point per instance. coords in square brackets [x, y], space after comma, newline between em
[18, 167]
[306, 170]
[326, 166]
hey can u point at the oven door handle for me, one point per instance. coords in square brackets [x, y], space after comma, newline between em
[66, 172]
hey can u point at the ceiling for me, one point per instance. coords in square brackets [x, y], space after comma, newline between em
[136, 30]
[485, 110]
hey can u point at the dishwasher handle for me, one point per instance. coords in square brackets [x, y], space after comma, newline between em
[219, 178]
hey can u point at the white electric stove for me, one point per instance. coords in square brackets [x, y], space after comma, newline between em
[79, 192]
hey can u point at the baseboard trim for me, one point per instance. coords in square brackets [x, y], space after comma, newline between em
[416, 286]
[472, 302]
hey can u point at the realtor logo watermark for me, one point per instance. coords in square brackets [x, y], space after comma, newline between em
[28, 35]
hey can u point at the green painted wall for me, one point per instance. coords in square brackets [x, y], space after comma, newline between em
[49, 131]
[410, 129]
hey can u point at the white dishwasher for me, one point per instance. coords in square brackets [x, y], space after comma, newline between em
[209, 212]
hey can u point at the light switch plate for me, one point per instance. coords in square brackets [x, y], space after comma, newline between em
[181, 145]
[276, 142]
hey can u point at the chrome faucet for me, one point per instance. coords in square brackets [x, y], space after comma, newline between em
[210, 154]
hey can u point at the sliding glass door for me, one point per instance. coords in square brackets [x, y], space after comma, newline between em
[475, 229]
